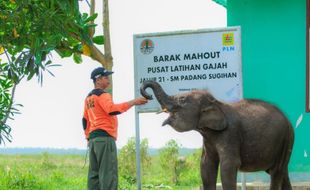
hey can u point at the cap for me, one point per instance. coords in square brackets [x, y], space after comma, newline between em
[100, 71]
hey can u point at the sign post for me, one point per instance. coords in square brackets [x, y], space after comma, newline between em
[182, 61]
[138, 160]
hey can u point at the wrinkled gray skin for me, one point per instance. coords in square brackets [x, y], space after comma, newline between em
[250, 135]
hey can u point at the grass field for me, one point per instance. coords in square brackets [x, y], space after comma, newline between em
[66, 172]
[45, 171]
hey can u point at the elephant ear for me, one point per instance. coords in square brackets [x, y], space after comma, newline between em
[212, 117]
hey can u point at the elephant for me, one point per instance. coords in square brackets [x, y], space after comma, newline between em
[250, 135]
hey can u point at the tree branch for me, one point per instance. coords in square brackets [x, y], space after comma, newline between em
[97, 55]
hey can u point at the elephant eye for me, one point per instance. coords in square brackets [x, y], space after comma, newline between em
[182, 100]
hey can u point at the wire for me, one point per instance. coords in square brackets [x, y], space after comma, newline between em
[88, 3]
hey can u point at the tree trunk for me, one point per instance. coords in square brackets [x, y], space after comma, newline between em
[107, 43]
[92, 12]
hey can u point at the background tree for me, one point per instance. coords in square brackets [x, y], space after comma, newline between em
[191, 169]
[170, 160]
[30, 30]
[127, 159]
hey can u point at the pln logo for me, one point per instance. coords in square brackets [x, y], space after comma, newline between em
[228, 39]
[147, 46]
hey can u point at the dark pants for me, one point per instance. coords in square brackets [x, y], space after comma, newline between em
[102, 173]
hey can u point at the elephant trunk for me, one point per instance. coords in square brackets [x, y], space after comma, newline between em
[166, 102]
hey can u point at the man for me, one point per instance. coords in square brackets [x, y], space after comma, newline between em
[100, 127]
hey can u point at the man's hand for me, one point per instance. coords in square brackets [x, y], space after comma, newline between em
[138, 101]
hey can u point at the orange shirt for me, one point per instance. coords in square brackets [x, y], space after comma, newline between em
[100, 112]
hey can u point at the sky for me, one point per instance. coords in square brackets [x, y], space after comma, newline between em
[51, 114]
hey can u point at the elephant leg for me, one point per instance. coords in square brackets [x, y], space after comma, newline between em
[229, 169]
[208, 170]
[276, 180]
[286, 184]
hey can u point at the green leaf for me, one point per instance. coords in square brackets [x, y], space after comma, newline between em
[91, 18]
[31, 75]
[64, 53]
[84, 16]
[38, 58]
[77, 58]
[99, 40]
[78, 47]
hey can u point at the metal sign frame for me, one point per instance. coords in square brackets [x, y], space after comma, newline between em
[182, 61]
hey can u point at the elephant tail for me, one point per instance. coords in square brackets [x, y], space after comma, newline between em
[287, 148]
